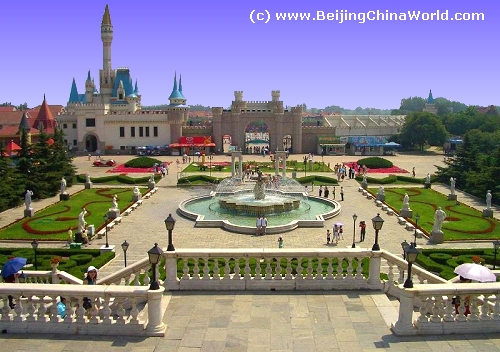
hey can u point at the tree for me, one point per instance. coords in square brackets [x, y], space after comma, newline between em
[423, 128]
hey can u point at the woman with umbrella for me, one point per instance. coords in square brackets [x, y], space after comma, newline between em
[10, 272]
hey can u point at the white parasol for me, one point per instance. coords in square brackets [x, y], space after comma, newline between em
[475, 272]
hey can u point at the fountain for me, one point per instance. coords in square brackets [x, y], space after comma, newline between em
[237, 202]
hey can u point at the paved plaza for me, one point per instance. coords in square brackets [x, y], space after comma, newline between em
[263, 321]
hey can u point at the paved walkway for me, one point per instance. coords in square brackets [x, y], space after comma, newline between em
[258, 321]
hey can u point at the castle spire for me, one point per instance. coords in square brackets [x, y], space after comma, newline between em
[175, 81]
[136, 88]
[106, 18]
[430, 99]
[88, 76]
[73, 96]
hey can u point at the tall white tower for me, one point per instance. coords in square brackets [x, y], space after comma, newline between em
[107, 74]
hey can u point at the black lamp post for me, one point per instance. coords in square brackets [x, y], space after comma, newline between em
[210, 156]
[417, 217]
[125, 245]
[411, 257]
[377, 222]
[354, 218]
[305, 166]
[106, 225]
[169, 224]
[405, 246]
[34, 244]
[496, 245]
[154, 255]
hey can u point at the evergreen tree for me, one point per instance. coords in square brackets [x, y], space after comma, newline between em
[10, 194]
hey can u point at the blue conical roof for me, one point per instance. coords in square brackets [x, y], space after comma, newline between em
[430, 99]
[180, 85]
[73, 96]
[136, 88]
[88, 76]
[175, 92]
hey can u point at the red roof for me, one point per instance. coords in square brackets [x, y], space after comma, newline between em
[8, 108]
[45, 120]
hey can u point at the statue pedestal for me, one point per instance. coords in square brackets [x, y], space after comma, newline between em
[104, 249]
[364, 184]
[406, 213]
[381, 197]
[136, 197]
[88, 185]
[113, 213]
[427, 185]
[452, 197]
[151, 185]
[64, 196]
[90, 231]
[29, 213]
[437, 237]
[487, 213]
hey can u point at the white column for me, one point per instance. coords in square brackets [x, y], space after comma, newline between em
[155, 325]
[240, 166]
[171, 282]
[404, 325]
[374, 276]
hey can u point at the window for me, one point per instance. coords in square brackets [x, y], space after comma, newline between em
[132, 131]
[122, 147]
[155, 131]
[74, 126]
[147, 131]
[122, 131]
[90, 122]
[65, 125]
[74, 142]
[141, 131]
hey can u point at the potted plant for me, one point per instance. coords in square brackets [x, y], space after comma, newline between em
[54, 261]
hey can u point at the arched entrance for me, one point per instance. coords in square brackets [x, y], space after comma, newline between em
[90, 143]
[257, 138]
[287, 143]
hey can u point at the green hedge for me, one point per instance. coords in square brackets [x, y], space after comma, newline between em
[194, 178]
[118, 178]
[375, 162]
[440, 258]
[142, 162]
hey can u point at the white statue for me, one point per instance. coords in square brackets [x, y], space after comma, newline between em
[152, 178]
[63, 185]
[488, 200]
[428, 179]
[406, 202]
[439, 217]
[136, 191]
[115, 202]
[364, 178]
[27, 199]
[452, 186]
[81, 221]
[87, 178]
[381, 191]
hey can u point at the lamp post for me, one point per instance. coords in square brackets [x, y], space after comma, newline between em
[496, 245]
[377, 222]
[305, 165]
[354, 218]
[106, 218]
[210, 156]
[125, 245]
[417, 217]
[154, 255]
[34, 244]
[169, 224]
[411, 257]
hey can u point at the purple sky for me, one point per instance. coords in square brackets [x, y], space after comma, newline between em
[218, 50]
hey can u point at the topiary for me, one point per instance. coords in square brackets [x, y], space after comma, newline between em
[440, 258]
[81, 259]
[142, 162]
[375, 163]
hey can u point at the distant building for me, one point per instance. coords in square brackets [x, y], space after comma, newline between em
[430, 106]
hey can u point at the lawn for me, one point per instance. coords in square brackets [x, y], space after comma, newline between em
[53, 222]
[264, 166]
[462, 222]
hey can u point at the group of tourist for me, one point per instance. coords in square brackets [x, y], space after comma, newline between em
[325, 192]
[261, 225]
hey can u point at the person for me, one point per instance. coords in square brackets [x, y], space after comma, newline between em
[413, 171]
[341, 193]
[320, 190]
[327, 192]
[264, 225]
[61, 307]
[333, 193]
[280, 242]
[341, 232]
[336, 234]
[63, 185]
[362, 225]
[457, 301]
[11, 279]
[259, 226]
[163, 171]
[328, 236]
[452, 186]
[27, 199]
[439, 217]
[70, 236]
[166, 168]
[428, 178]
[488, 200]
[90, 279]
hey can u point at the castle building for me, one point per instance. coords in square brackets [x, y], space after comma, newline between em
[430, 106]
[110, 119]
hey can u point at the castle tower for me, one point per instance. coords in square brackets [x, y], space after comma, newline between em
[74, 98]
[178, 111]
[176, 98]
[107, 74]
[276, 95]
[430, 106]
[89, 89]
[45, 120]
[238, 95]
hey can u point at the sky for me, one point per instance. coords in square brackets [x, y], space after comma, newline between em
[223, 46]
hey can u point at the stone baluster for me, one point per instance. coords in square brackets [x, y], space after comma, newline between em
[485, 309]
[309, 275]
[30, 309]
[288, 275]
[349, 275]
[42, 312]
[319, 270]
[227, 269]
[120, 312]
[128, 279]
[6, 309]
[329, 269]
[196, 270]
[80, 311]
[237, 270]
[206, 269]
[94, 311]
[258, 269]
[134, 312]
[299, 275]
[136, 278]
[269, 270]
[216, 275]
[106, 311]
[248, 271]
[424, 309]
[277, 270]
[185, 270]
[449, 310]
[147, 279]
[53, 310]
[19, 308]
[496, 308]
[340, 269]
[474, 308]
[436, 305]
[359, 269]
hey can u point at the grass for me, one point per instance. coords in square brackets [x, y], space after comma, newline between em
[53, 222]
[462, 222]
[264, 166]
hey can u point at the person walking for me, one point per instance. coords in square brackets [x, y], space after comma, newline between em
[327, 192]
[413, 171]
[328, 236]
[362, 225]
[280, 242]
[264, 225]
[333, 193]
[259, 226]
[341, 193]
[336, 234]
[320, 190]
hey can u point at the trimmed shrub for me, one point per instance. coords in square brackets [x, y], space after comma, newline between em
[81, 258]
[375, 163]
[142, 162]
[66, 265]
[440, 258]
